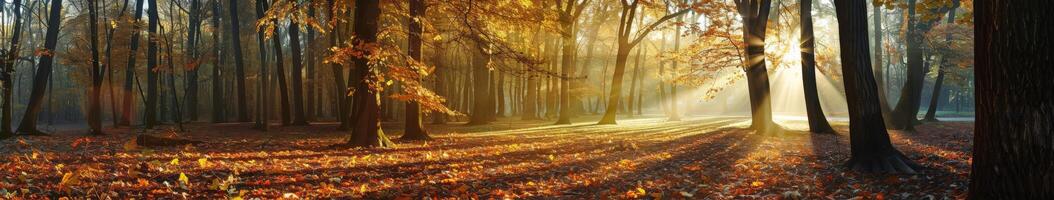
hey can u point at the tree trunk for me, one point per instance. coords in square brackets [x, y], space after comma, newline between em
[817, 120]
[7, 69]
[299, 117]
[151, 66]
[871, 150]
[193, 35]
[481, 81]
[413, 129]
[312, 58]
[367, 131]
[880, 74]
[263, 102]
[41, 77]
[931, 111]
[239, 65]
[341, 91]
[1013, 158]
[97, 72]
[755, 19]
[283, 86]
[218, 114]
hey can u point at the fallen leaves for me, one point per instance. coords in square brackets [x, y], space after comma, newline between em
[632, 160]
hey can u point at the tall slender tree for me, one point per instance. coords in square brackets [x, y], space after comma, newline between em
[931, 110]
[28, 125]
[817, 120]
[193, 36]
[128, 94]
[218, 114]
[1013, 151]
[299, 117]
[263, 107]
[754, 14]
[97, 71]
[239, 63]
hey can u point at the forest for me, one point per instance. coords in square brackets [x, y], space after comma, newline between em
[526, 99]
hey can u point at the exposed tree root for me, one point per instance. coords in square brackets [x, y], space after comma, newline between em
[894, 163]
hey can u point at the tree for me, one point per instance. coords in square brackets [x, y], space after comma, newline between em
[239, 69]
[627, 38]
[367, 131]
[299, 118]
[413, 129]
[28, 125]
[568, 11]
[151, 65]
[7, 69]
[128, 101]
[97, 72]
[817, 120]
[481, 111]
[264, 105]
[1013, 139]
[871, 150]
[218, 114]
[905, 115]
[754, 14]
[931, 111]
[193, 36]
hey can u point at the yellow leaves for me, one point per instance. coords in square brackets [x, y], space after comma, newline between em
[69, 179]
[437, 38]
[203, 162]
[184, 179]
[175, 161]
[551, 157]
[757, 184]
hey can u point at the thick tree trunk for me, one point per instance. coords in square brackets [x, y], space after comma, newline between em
[871, 150]
[299, 117]
[817, 120]
[1014, 140]
[755, 19]
[414, 129]
[367, 131]
[40, 79]
[239, 65]
[481, 81]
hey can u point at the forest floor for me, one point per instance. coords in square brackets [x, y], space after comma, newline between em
[641, 158]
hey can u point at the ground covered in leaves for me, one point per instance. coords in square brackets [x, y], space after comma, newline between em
[643, 158]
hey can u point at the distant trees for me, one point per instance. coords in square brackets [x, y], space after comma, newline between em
[413, 129]
[1014, 137]
[870, 146]
[97, 72]
[6, 71]
[40, 80]
[627, 38]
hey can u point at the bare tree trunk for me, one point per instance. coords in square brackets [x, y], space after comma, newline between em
[871, 150]
[414, 130]
[817, 120]
[755, 19]
[367, 131]
[263, 102]
[239, 66]
[193, 36]
[151, 65]
[299, 117]
[931, 111]
[1012, 154]
[218, 114]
